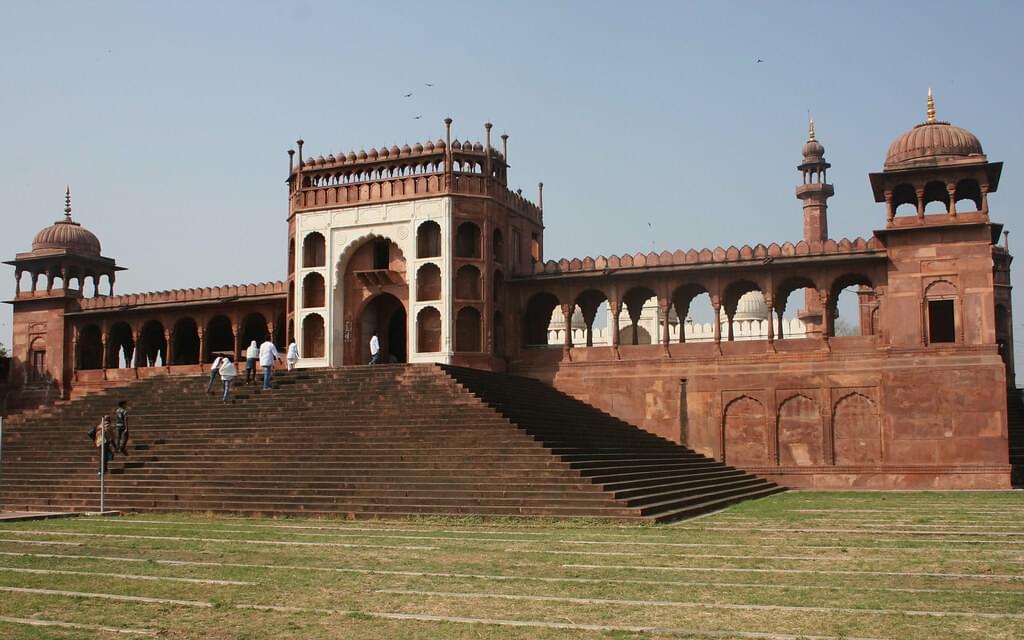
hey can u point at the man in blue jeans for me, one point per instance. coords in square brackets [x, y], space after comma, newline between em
[268, 355]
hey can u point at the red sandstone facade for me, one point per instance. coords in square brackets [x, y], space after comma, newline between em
[429, 247]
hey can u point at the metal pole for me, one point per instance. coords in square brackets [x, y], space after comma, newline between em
[103, 468]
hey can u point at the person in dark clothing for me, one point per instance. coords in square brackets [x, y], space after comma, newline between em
[121, 426]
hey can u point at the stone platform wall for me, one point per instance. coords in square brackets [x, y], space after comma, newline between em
[807, 414]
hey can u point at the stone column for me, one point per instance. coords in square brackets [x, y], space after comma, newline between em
[890, 212]
[984, 199]
[614, 309]
[202, 344]
[826, 316]
[567, 310]
[716, 306]
[167, 349]
[237, 335]
[779, 313]
[920, 204]
[771, 320]
[17, 281]
[104, 357]
[951, 190]
[664, 305]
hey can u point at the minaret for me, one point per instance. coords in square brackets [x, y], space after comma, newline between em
[815, 191]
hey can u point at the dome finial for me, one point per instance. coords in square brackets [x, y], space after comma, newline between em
[931, 107]
[67, 203]
[810, 130]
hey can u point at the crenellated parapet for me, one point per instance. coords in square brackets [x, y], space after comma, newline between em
[200, 294]
[758, 254]
[386, 174]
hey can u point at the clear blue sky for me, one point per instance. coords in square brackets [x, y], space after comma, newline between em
[170, 121]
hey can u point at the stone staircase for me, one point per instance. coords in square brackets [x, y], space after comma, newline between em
[359, 442]
[660, 479]
[1015, 424]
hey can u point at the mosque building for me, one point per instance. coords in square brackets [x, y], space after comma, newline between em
[430, 248]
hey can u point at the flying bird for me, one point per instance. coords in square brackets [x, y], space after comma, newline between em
[416, 117]
[408, 95]
[428, 84]
[759, 60]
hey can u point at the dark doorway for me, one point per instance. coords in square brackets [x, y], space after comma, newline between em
[941, 326]
[386, 315]
[396, 336]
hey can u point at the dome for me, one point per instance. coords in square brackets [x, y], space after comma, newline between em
[417, 148]
[478, 147]
[751, 306]
[933, 143]
[813, 151]
[69, 236]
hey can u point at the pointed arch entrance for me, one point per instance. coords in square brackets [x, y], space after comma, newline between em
[372, 294]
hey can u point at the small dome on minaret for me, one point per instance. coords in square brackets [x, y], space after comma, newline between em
[813, 151]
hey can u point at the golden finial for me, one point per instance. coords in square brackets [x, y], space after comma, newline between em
[67, 203]
[810, 130]
[931, 107]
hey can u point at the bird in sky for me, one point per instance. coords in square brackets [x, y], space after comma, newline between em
[428, 84]
[408, 95]
[759, 60]
[416, 117]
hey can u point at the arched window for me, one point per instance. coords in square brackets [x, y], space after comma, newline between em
[467, 241]
[314, 250]
[467, 283]
[428, 330]
[904, 200]
[968, 195]
[428, 282]
[428, 240]
[291, 256]
[313, 290]
[467, 330]
[936, 197]
[940, 316]
[37, 360]
[313, 336]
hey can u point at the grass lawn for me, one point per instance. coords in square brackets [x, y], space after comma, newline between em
[901, 566]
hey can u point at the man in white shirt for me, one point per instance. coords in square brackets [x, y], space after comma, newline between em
[374, 349]
[214, 368]
[268, 355]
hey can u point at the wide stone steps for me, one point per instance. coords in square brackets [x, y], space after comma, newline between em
[360, 442]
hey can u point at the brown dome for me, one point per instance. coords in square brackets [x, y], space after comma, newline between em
[932, 144]
[69, 236]
[813, 151]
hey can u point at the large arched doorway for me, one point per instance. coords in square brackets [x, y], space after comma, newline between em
[372, 294]
[385, 315]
